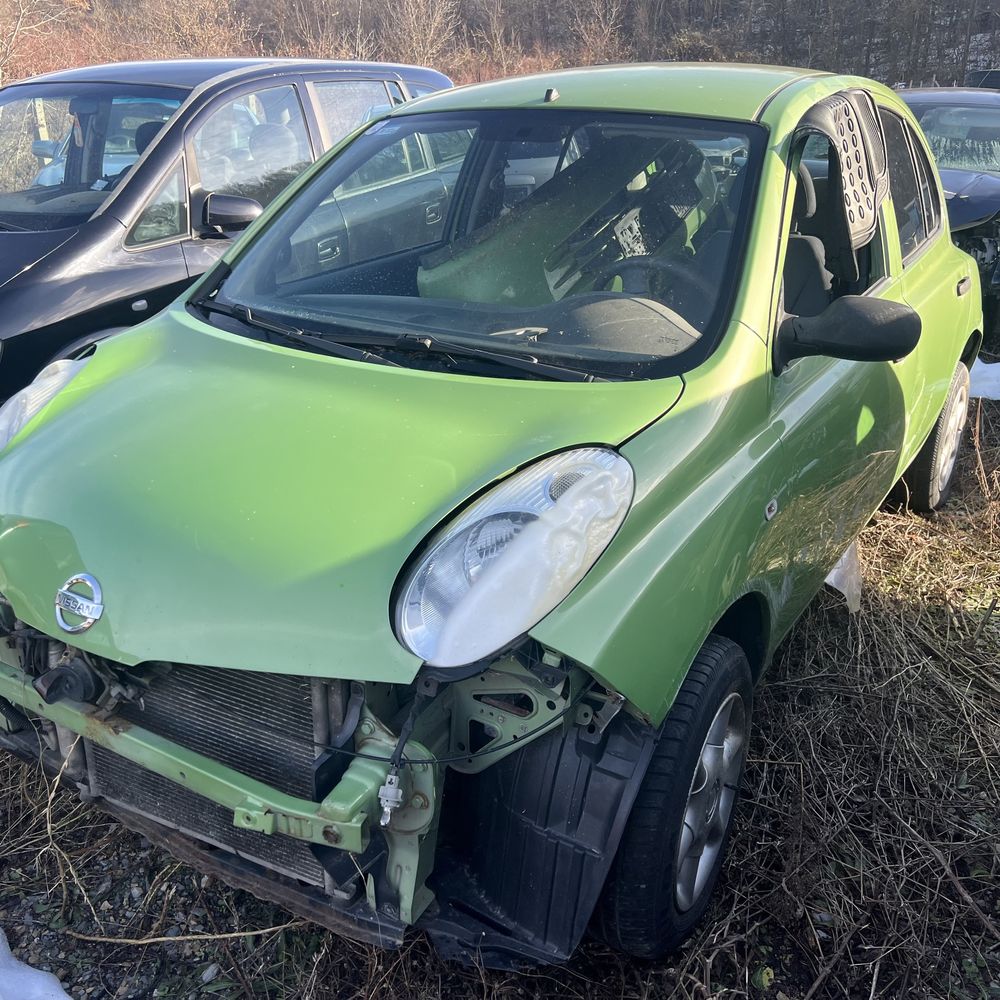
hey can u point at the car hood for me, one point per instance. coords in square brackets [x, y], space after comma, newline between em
[248, 505]
[22, 251]
[972, 197]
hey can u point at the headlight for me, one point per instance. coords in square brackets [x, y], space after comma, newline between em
[23, 405]
[507, 560]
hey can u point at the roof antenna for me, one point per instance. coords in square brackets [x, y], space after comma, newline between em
[551, 95]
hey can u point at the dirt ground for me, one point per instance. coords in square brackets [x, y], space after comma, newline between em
[865, 861]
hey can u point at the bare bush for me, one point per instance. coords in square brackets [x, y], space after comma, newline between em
[418, 31]
[598, 28]
[21, 20]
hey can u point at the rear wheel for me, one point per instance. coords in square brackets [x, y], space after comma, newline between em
[675, 840]
[929, 479]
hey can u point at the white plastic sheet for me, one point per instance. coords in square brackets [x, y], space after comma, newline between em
[846, 577]
[985, 380]
[20, 982]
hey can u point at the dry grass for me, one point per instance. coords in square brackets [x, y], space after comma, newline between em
[865, 862]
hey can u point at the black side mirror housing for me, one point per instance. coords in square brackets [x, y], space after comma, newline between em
[852, 327]
[229, 213]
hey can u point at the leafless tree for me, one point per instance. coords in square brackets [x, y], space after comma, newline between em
[22, 19]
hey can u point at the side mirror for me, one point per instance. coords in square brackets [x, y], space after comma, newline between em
[229, 213]
[45, 149]
[853, 327]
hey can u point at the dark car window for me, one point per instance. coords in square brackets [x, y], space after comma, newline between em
[928, 188]
[165, 217]
[421, 89]
[65, 147]
[904, 187]
[253, 145]
[962, 137]
[610, 240]
[346, 104]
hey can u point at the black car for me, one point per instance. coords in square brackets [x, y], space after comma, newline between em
[962, 125]
[120, 184]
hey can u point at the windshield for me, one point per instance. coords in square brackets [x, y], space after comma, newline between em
[64, 148]
[605, 241]
[962, 138]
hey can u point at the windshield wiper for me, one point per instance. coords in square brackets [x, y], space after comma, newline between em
[291, 334]
[521, 362]
[354, 346]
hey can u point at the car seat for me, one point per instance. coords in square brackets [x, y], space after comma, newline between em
[807, 282]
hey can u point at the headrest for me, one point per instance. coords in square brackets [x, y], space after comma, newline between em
[805, 194]
[271, 141]
[145, 134]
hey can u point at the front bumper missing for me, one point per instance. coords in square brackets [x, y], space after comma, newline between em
[340, 820]
[532, 826]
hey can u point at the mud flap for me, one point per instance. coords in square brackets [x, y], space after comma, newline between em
[545, 825]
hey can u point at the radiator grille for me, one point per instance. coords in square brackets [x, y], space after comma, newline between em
[118, 779]
[258, 724]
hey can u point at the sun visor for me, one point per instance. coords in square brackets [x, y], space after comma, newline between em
[860, 170]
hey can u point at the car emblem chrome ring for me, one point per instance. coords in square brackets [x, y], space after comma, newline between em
[90, 610]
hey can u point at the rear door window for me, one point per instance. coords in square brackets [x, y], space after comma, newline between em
[346, 104]
[905, 187]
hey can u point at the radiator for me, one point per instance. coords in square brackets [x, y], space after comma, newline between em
[262, 725]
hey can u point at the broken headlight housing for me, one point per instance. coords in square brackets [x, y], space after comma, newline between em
[512, 556]
[24, 404]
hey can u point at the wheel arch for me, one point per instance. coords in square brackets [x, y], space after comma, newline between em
[747, 622]
[971, 349]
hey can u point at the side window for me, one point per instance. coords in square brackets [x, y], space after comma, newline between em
[421, 89]
[814, 273]
[928, 189]
[346, 104]
[449, 147]
[398, 160]
[165, 216]
[253, 145]
[904, 187]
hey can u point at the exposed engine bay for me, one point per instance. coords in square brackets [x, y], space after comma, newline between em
[366, 807]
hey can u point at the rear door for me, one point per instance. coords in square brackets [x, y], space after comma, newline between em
[934, 279]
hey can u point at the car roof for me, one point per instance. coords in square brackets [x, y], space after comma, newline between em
[716, 90]
[190, 73]
[951, 95]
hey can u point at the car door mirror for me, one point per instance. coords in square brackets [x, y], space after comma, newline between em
[852, 327]
[45, 149]
[229, 213]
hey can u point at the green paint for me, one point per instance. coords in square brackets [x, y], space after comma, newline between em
[250, 506]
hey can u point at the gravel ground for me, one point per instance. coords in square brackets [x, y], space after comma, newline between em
[864, 863]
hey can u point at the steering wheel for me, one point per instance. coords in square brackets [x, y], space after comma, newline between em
[637, 273]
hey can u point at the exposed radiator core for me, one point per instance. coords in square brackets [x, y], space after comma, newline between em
[262, 725]
[258, 724]
[130, 785]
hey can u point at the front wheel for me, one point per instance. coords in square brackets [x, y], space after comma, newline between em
[673, 846]
[929, 479]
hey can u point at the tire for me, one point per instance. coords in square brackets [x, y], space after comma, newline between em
[650, 903]
[928, 481]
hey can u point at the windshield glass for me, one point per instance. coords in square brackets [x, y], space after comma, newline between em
[604, 240]
[64, 148]
[962, 138]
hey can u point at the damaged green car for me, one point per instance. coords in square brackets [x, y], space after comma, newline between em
[416, 568]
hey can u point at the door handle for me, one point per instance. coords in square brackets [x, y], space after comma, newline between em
[432, 214]
[963, 286]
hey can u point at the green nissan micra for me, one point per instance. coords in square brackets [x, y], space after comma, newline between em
[416, 568]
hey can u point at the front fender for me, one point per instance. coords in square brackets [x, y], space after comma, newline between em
[697, 538]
